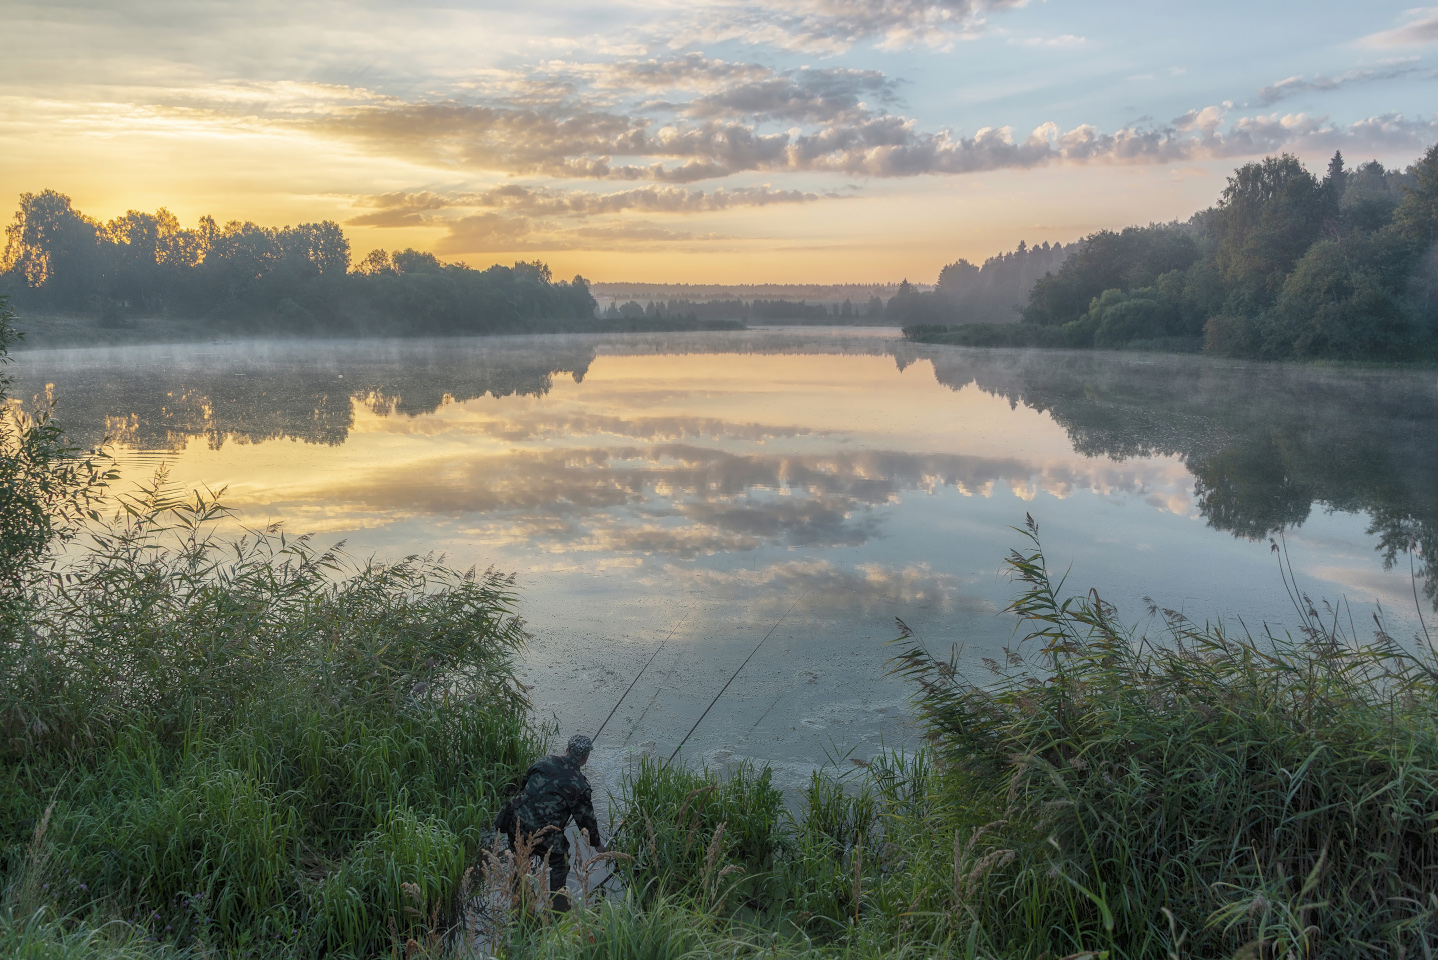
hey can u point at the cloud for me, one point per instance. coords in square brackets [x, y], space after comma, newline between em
[578, 141]
[1293, 86]
[399, 209]
[833, 26]
[516, 227]
[820, 586]
[484, 232]
[693, 71]
[496, 233]
[804, 96]
[543, 201]
[1421, 27]
[831, 128]
[513, 139]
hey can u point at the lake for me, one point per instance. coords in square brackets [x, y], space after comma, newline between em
[713, 486]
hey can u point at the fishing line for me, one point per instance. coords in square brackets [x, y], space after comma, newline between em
[653, 699]
[727, 682]
[622, 824]
[640, 674]
[781, 696]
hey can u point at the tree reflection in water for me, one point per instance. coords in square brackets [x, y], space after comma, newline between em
[1266, 444]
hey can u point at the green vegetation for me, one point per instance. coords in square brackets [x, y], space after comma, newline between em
[246, 745]
[1285, 266]
[142, 275]
[255, 748]
[990, 294]
[1098, 794]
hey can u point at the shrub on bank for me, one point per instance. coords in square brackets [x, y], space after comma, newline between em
[245, 742]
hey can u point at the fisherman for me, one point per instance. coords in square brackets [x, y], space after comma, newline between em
[553, 791]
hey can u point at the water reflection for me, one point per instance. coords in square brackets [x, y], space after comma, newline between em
[725, 479]
[1265, 444]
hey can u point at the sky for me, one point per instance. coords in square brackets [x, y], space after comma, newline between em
[705, 141]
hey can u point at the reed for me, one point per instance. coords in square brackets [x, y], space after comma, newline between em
[249, 741]
[1099, 793]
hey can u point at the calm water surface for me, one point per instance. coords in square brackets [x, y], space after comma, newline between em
[706, 484]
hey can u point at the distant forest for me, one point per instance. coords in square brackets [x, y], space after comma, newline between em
[995, 292]
[778, 310]
[252, 279]
[1285, 265]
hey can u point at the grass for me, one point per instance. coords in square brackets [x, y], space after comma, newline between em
[252, 744]
[312, 770]
[1100, 793]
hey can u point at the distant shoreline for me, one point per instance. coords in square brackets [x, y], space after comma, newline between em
[1024, 336]
[43, 331]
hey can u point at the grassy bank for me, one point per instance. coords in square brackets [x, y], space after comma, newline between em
[1099, 794]
[255, 745]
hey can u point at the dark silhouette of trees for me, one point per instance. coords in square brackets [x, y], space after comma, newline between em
[249, 278]
[1284, 266]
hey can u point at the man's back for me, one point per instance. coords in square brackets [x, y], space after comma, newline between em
[554, 790]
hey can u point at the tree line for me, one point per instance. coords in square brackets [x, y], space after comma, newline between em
[253, 278]
[994, 292]
[1285, 265]
[758, 309]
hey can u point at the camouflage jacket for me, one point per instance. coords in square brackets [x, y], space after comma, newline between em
[552, 791]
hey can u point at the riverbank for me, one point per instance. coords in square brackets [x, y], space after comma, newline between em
[1196, 794]
[1033, 336]
[54, 330]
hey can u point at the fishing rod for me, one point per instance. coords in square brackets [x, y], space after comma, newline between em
[726, 684]
[619, 829]
[637, 676]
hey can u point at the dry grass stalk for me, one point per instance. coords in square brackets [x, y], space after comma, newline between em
[858, 878]
[37, 856]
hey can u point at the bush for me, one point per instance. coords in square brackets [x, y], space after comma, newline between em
[253, 741]
[1202, 793]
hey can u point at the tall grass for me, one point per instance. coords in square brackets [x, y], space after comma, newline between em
[1204, 791]
[1100, 793]
[251, 743]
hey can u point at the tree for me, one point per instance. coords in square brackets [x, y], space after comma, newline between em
[1269, 214]
[415, 261]
[1416, 217]
[1133, 258]
[1335, 181]
[376, 263]
[52, 245]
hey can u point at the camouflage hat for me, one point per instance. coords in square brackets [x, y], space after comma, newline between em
[579, 746]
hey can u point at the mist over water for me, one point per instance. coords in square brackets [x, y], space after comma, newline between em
[710, 484]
